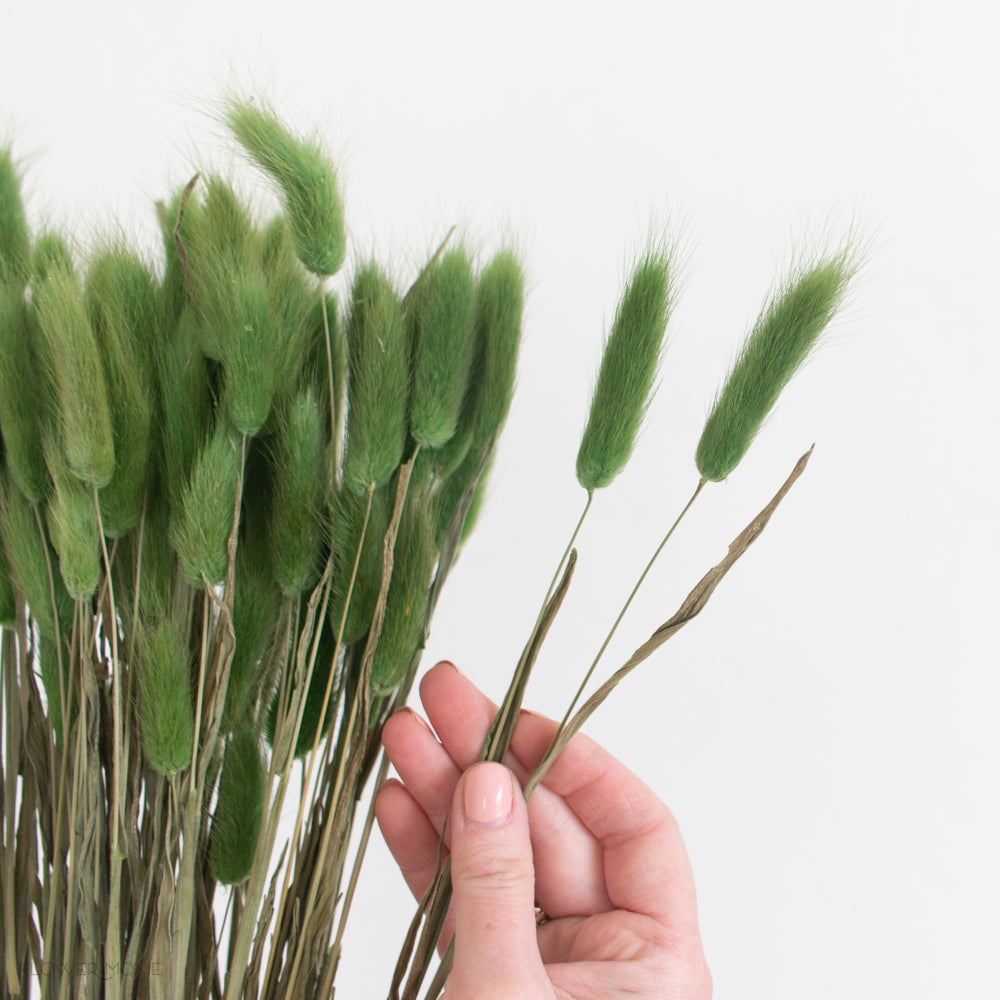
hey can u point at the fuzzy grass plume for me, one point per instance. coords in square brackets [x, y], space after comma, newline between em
[443, 314]
[164, 704]
[15, 241]
[121, 295]
[378, 353]
[71, 354]
[20, 425]
[306, 180]
[784, 335]
[202, 528]
[236, 823]
[628, 369]
[499, 311]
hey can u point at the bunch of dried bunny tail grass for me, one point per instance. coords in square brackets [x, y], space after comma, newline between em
[228, 505]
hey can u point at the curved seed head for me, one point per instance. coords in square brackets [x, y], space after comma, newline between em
[306, 179]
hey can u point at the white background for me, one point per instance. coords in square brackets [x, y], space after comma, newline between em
[827, 731]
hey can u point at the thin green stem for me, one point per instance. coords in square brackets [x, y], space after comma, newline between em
[569, 548]
[625, 607]
[308, 775]
[112, 943]
[182, 914]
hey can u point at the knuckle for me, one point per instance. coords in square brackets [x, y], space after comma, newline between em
[496, 871]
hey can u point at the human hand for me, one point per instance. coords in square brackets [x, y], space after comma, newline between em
[596, 849]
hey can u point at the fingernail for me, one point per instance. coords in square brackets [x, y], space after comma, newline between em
[488, 796]
[416, 716]
[448, 663]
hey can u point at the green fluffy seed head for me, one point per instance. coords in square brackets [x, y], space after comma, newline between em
[121, 295]
[72, 523]
[452, 491]
[442, 312]
[378, 354]
[50, 253]
[415, 556]
[782, 338]
[293, 301]
[256, 608]
[299, 477]
[186, 208]
[15, 240]
[238, 809]
[200, 532]
[499, 309]
[166, 713]
[232, 301]
[73, 359]
[624, 386]
[21, 424]
[249, 355]
[306, 179]
[30, 559]
[185, 401]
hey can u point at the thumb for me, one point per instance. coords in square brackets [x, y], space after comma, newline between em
[493, 887]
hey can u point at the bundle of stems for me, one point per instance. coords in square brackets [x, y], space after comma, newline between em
[228, 505]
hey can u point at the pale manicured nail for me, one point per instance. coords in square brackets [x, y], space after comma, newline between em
[448, 663]
[488, 795]
[416, 716]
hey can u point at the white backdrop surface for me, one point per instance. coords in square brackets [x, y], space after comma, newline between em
[827, 731]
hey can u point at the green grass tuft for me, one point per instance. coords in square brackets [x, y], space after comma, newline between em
[166, 712]
[256, 608]
[238, 809]
[499, 309]
[306, 179]
[72, 357]
[15, 240]
[629, 364]
[184, 392]
[442, 314]
[415, 557]
[72, 523]
[232, 302]
[30, 557]
[200, 532]
[122, 297]
[20, 378]
[378, 363]
[50, 253]
[782, 338]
